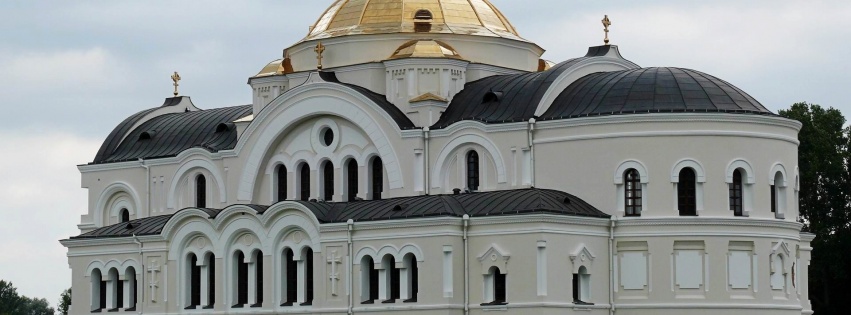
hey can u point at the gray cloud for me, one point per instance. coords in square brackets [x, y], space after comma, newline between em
[70, 71]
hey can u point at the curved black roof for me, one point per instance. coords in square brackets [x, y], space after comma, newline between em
[482, 204]
[169, 134]
[651, 90]
[398, 116]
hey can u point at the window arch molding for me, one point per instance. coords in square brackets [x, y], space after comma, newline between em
[122, 202]
[190, 169]
[322, 174]
[460, 145]
[244, 240]
[108, 194]
[120, 266]
[631, 164]
[200, 246]
[748, 180]
[693, 164]
[778, 168]
[744, 165]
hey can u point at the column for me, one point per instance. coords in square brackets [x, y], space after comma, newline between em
[252, 283]
[300, 279]
[205, 285]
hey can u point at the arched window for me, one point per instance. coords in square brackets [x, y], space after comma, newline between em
[115, 291]
[473, 171]
[98, 291]
[582, 286]
[304, 182]
[307, 256]
[390, 279]
[778, 196]
[377, 178]
[632, 193]
[351, 179]
[281, 183]
[290, 278]
[328, 181]
[369, 281]
[241, 282]
[211, 281]
[124, 216]
[130, 289]
[687, 192]
[194, 272]
[258, 282]
[736, 193]
[411, 276]
[200, 191]
[495, 287]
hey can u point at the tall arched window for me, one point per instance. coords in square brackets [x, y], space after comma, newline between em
[328, 181]
[473, 171]
[377, 178]
[351, 180]
[258, 276]
[98, 295]
[304, 182]
[201, 191]
[495, 287]
[581, 286]
[130, 289]
[736, 193]
[194, 290]
[632, 193]
[412, 276]
[290, 278]
[307, 256]
[124, 216]
[281, 183]
[211, 281]
[687, 192]
[369, 281]
[390, 279]
[115, 291]
[241, 282]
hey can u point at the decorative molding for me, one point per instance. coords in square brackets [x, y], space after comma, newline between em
[441, 163]
[682, 133]
[710, 221]
[670, 117]
[577, 71]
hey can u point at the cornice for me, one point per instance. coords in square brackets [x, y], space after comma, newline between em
[83, 242]
[677, 133]
[670, 117]
[472, 124]
[426, 62]
[704, 221]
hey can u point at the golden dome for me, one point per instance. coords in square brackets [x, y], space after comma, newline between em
[356, 17]
[425, 49]
[276, 67]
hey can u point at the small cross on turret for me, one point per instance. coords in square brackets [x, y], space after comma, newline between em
[319, 50]
[606, 24]
[175, 78]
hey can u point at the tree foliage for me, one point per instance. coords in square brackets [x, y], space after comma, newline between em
[823, 160]
[11, 303]
[65, 302]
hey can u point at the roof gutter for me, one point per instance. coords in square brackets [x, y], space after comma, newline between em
[531, 134]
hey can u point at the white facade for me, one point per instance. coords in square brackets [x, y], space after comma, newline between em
[658, 262]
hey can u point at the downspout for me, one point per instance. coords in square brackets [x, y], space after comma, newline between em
[531, 131]
[148, 181]
[466, 219]
[351, 226]
[612, 266]
[427, 168]
[140, 306]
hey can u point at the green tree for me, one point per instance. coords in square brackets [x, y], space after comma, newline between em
[9, 298]
[823, 162]
[35, 306]
[65, 302]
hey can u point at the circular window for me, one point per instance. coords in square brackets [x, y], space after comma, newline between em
[327, 136]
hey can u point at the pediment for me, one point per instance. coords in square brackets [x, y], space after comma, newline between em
[781, 248]
[493, 254]
[582, 254]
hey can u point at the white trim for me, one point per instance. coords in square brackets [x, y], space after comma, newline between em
[740, 164]
[670, 117]
[108, 193]
[577, 71]
[778, 167]
[683, 133]
[201, 162]
[691, 163]
[456, 144]
[628, 164]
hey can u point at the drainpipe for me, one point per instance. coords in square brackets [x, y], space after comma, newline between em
[351, 224]
[532, 149]
[148, 181]
[140, 306]
[466, 219]
[427, 176]
[612, 266]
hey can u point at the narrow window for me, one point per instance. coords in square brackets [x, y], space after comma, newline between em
[98, 291]
[352, 179]
[328, 181]
[304, 178]
[391, 279]
[773, 198]
[736, 193]
[308, 276]
[686, 193]
[473, 171]
[413, 278]
[200, 191]
[291, 274]
[495, 281]
[130, 275]
[369, 281]
[194, 282]
[281, 180]
[119, 294]
[377, 178]
[632, 193]
[125, 216]
[582, 287]
[241, 280]
[258, 273]
[211, 281]
[103, 285]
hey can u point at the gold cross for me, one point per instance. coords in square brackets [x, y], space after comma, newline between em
[606, 24]
[319, 50]
[175, 77]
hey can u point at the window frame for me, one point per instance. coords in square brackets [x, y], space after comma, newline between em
[281, 193]
[736, 191]
[687, 184]
[633, 193]
[200, 191]
[473, 169]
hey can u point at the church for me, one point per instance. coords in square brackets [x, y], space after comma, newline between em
[419, 157]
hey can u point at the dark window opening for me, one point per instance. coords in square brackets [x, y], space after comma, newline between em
[377, 178]
[413, 278]
[632, 193]
[211, 281]
[371, 277]
[291, 271]
[241, 280]
[473, 171]
[200, 191]
[304, 178]
[423, 14]
[736, 191]
[125, 216]
[392, 279]
[194, 282]
[575, 287]
[281, 178]
[258, 273]
[119, 292]
[102, 295]
[308, 276]
[687, 193]
[328, 179]
[352, 174]
[773, 198]
[327, 137]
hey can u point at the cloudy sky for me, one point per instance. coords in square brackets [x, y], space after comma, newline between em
[71, 70]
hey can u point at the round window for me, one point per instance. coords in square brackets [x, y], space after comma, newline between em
[327, 136]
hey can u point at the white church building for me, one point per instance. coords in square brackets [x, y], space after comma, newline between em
[419, 157]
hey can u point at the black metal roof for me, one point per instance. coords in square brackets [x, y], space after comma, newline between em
[651, 90]
[481, 204]
[398, 116]
[169, 134]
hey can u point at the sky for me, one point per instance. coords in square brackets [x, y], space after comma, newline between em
[70, 71]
